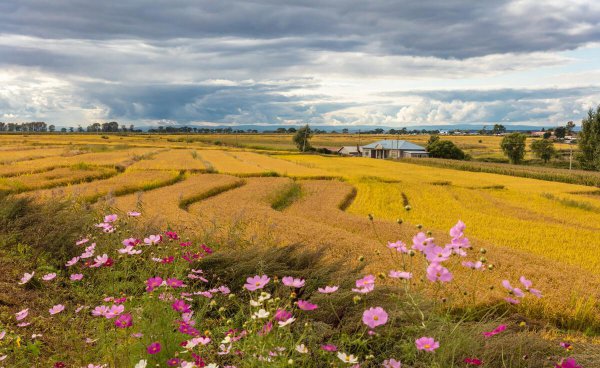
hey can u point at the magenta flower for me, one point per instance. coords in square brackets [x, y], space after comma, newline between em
[173, 362]
[329, 347]
[124, 320]
[56, 309]
[400, 275]
[306, 306]
[473, 361]
[153, 283]
[256, 282]
[436, 272]
[568, 363]
[76, 277]
[427, 344]
[175, 283]
[180, 306]
[22, 314]
[282, 315]
[392, 363]
[374, 317]
[171, 235]
[495, 331]
[49, 276]
[153, 348]
[292, 282]
[328, 289]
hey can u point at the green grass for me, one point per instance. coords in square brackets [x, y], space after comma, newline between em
[288, 195]
[185, 203]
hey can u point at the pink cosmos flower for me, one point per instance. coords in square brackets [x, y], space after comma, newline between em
[256, 282]
[306, 306]
[133, 214]
[421, 241]
[568, 363]
[292, 282]
[457, 230]
[474, 265]
[23, 324]
[437, 254]
[130, 250]
[49, 276]
[124, 320]
[392, 363]
[131, 242]
[365, 281]
[2, 334]
[22, 314]
[374, 317]
[436, 272]
[26, 277]
[282, 315]
[173, 362]
[329, 347]
[365, 289]
[72, 262]
[427, 344]
[100, 261]
[153, 348]
[400, 275]
[511, 300]
[114, 311]
[564, 345]
[56, 309]
[153, 239]
[100, 311]
[398, 246]
[82, 241]
[535, 292]
[110, 218]
[495, 331]
[153, 283]
[180, 306]
[175, 283]
[328, 289]
[76, 277]
[224, 290]
[515, 291]
[473, 361]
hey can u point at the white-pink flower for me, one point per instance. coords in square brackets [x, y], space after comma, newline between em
[82, 241]
[114, 311]
[56, 309]
[328, 289]
[72, 262]
[100, 310]
[133, 214]
[100, 260]
[292, 282]
[49, 276]
[76, 277]
[110, 218]
[400, 275]
[153, 239]
[20, 315]
[26, 277]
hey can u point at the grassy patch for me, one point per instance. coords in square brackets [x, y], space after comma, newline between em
[185, 203]
[286, 197]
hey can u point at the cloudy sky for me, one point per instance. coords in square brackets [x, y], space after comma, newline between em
[280, 62]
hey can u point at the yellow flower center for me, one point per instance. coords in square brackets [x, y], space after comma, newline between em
[427, 346]
[257, 284]
[376, 318]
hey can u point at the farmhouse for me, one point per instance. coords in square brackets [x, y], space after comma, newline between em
[355, 151]
[393, 148]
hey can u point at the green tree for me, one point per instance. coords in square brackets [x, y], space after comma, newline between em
[445, 149]
[560, 132]
[570, 127]
[498, 129]
[589, 141]
[547, 135]
[513, 146]
[544, 149]
[302, 138]
[432, 140]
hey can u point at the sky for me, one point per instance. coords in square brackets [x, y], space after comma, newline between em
[279, 62]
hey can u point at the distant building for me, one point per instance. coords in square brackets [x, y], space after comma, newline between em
[538, 134]
[393, 148]
[355, 151]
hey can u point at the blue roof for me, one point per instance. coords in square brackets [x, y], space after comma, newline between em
[395, 144]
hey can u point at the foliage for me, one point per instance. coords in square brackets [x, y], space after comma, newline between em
[589, 140]
[302, 138]
[544, 149]
[444, 149]
[513, 146]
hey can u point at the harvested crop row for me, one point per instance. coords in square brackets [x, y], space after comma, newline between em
[227, 163]
[55, 177]
[112, 158]
[127, 182]
[174, 159]
[162, 205]
[14, 155]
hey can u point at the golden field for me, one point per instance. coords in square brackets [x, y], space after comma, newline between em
[545, 230]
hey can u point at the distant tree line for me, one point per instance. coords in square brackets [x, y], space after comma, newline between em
[34, 126]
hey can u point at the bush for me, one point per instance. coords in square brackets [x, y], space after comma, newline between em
[444, 149]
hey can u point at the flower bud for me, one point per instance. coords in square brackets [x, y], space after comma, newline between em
[419, 226]
[490, 267]
[370, 216]
[429, 233]
[356, 299]
[411, 253]
[483, 259]
[407, 207]
[361, 258]
[381, 275]
[399, 221]
[483, 251]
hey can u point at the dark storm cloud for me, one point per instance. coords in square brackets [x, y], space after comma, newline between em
[448, 29]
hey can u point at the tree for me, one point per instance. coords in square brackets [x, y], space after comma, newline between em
[51, 128]
[302, 138]
[498, 129]
[589, 141]
[560, 132]
[547, 135]
[434, 138]
[513, 146]
[445, 149]
[543, 148]
[570, 128]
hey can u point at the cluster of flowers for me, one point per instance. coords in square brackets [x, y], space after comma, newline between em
[174, 291]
